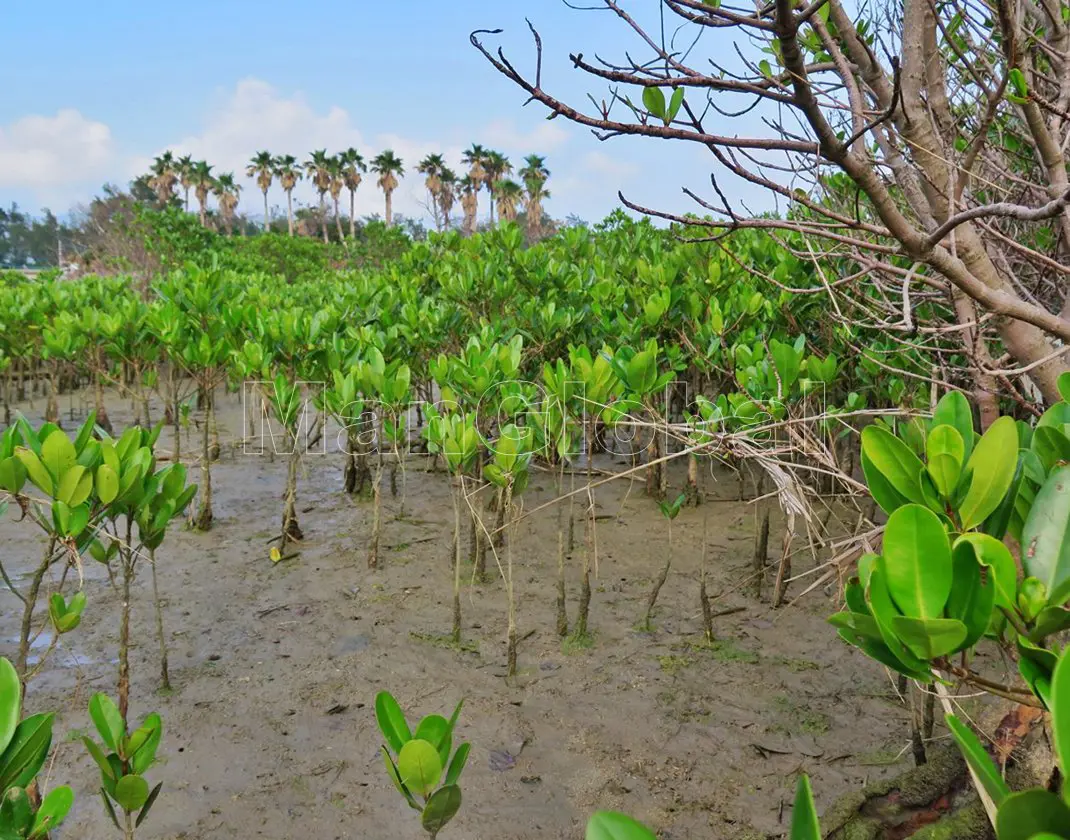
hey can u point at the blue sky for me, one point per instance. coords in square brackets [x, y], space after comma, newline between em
[105, 86]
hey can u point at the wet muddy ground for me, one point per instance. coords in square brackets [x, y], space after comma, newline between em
[270, 732]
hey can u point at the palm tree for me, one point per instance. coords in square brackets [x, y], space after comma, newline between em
[473, 158]
[534, 175]
[184, 168]
[432, 167]
[389, 168]
[227, 191]
[317, 168]
[262, 167]
[469, 187]
[336, 170]
[163, 177]
[496, 166]
[352, 166]
[289, 173]
[447, 194]
[203, 182]
[509, 194]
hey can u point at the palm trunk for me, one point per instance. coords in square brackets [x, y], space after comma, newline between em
[204, 215]
[352, 214]
[290, 210]
[323, 217]
[267, 221]
[338, 221]
[389, 208]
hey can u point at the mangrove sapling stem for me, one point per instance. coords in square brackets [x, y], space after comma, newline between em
[291, 531]
[660, 582]
[376, 507]
[784, 571]
[128, 559]
[499, 522]
[917, 744]
[204, 513]
[928, 716]
[589, 549]
[29, 605]
[128, 831]
[165, 677]
[457, 560]
[761, 540]
[562, 610]
[512, 638]
[707, 612]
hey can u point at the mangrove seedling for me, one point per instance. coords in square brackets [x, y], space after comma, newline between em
[24, 746]
[670, 510]
[122, 769]
[419, 763]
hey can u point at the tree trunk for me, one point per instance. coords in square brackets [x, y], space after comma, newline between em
[124, 639]
[352, 214]
[204, 514]
[165, 677]
[323, 217]
[290, 210]
[389, 207]
[338, 221]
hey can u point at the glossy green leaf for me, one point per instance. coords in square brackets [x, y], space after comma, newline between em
[990, 552]
[1060, 722]
[973, 597]
[58, 455]
[930, 638]
[395, 777]
[436, 730]
[945, 452]
[895, 461]
[654, 101]
[36, 470]
[441, 808]
[804, 824]
[131, 792]
[10, 702]
[609, 825]
[419, 766]
[98, 756]
[978, 759]
[151, 800]
[1024, 815]
[1046, 537]
[917, 560]
[391, 720]
[54, 809]
[26, 753]
[991, 470]
[954, 410]
[884, 612]
[457, 763]
[108, 721]
[107, 484]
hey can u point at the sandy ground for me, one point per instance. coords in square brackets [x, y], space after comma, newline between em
[270, 732]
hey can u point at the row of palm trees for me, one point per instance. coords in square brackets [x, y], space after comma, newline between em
[331, 174]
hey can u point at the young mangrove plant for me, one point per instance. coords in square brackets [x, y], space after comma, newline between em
[50, 477]
[137, 494]
[24, 746]
[508, 471]
[669, 510]
[419, 763]
[455, 437]
[123, 757]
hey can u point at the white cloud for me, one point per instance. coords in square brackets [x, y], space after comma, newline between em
[546, 138]
[41, 152]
